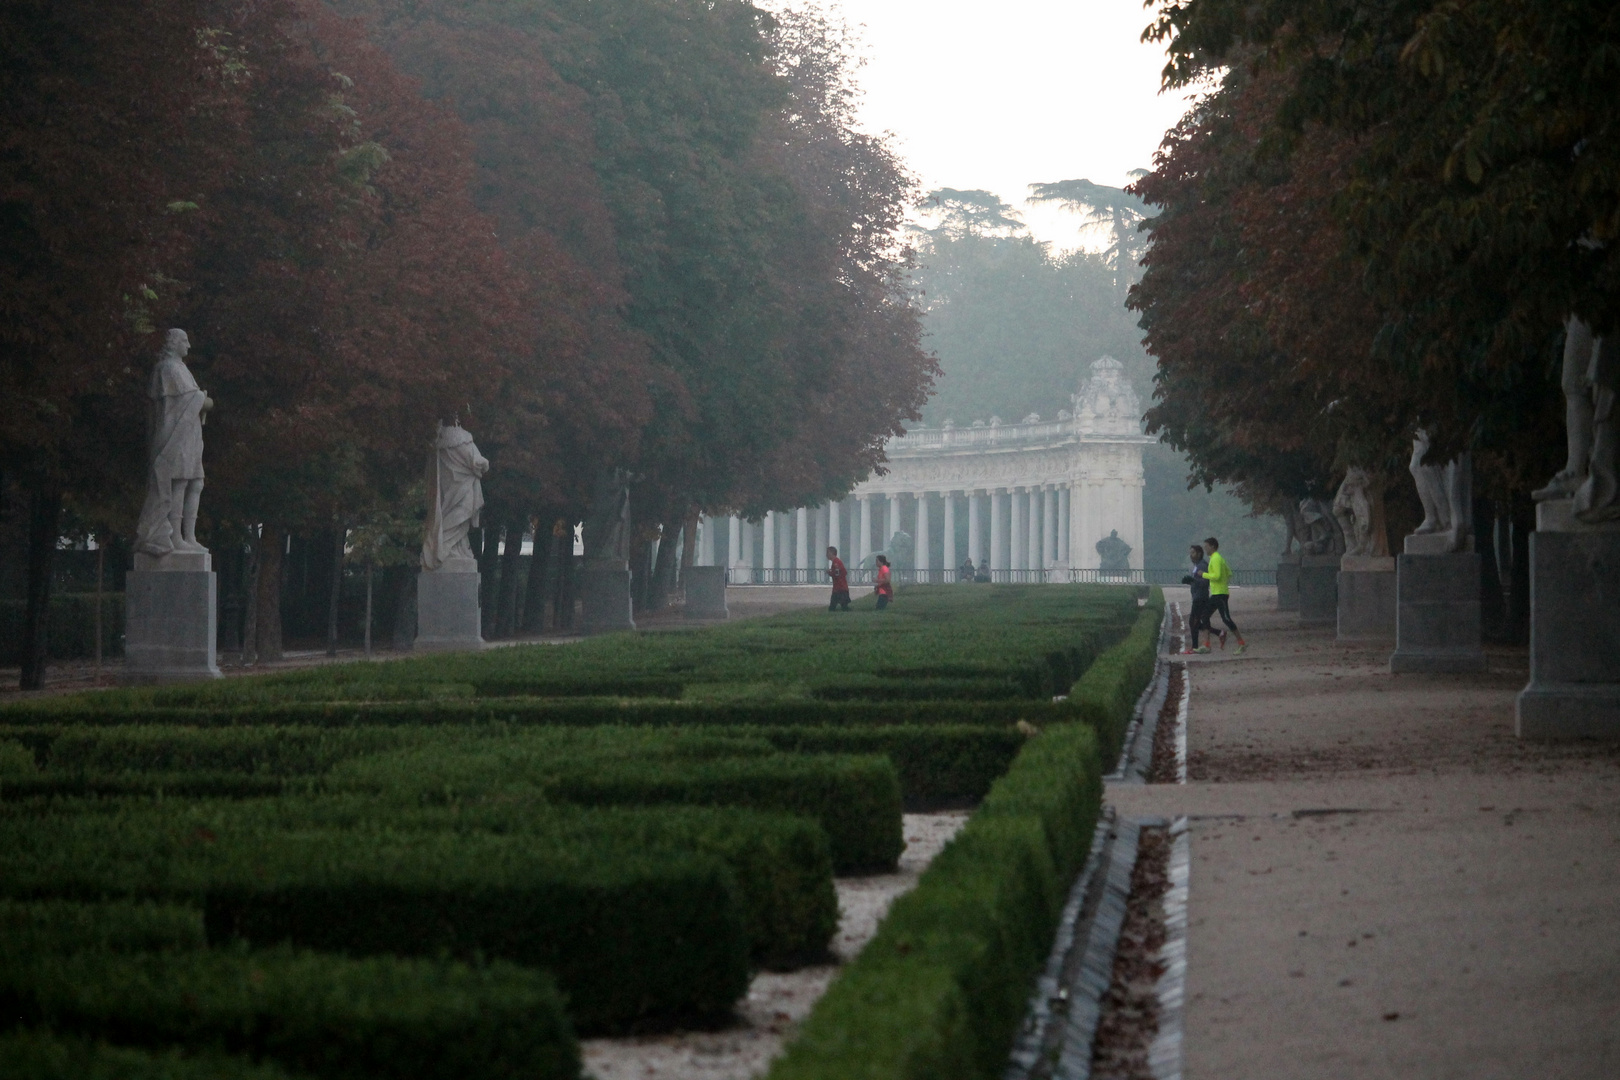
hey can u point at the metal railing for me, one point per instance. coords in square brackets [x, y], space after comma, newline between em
[739, 575]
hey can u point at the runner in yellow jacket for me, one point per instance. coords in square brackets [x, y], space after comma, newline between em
[1219, 576]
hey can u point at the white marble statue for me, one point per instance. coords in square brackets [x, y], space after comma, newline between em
[455, 495]
[1358, 507]
[174, 469]
[1319, 532]
[1591, 380]
[1446, 492]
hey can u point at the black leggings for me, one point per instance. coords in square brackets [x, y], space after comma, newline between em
[1217, 606]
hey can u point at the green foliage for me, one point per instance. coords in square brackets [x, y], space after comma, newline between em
[941, 988]
[324, 1016]
[632, 935]
[72, 627]
[69, 926]
[1106, 694]
[33, 1055]
[936, 763]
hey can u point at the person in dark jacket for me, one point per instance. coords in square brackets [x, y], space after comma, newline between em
[1198, 617]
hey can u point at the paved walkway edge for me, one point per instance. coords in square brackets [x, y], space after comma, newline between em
[1136, 756]
[1164, 1056]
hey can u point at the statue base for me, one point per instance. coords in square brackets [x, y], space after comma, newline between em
[605, 589]
[1437, 616]
[706, 592]
[1574, 688]
[1318, 590]
[448, 618]
[1558, 516]
[1367, 598]
[1436, 544]
[1288, 583]
[170, 619]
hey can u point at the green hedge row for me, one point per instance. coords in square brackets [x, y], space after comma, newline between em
[1106, 694]
[35, 1055]
[942, 987]
[781, 862]
[937, 763]
[541, 712]
[66, 926]
[319, 1015]
[633, 935]
[856, 800]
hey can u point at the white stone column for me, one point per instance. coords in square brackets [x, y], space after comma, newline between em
[893, 523]
[769, 539]
[818, 553]
[1063, 525]
[998, 530]
[733, 541]
[975, 533]
[948, 559]
[784, 542]
[1033, 537]
[801, 552]
[835, 528]
[1019, 524]
[748, 531]
[922, 563]
[863, 541]
[1049, 516]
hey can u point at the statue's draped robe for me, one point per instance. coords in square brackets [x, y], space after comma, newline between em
[175, 452]
[455, 495]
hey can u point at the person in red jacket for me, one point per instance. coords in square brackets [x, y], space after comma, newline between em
[885, 587]
[840, 581]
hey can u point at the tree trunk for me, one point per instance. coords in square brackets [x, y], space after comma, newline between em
[487, 552]
[339, 534]
[250, 605]
[44, 521]
[506, 610]
[267, 592]
[1492, 610]
[662, 579]
[567, 584]
[542, 568]
[405, 609]
[688, 545]
[1516, 625]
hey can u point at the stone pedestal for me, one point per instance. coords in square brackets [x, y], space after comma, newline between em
[605, 592]
[448, 617]
[1318, 590]
[170, 619]
[706, 592]
[1367, 598]
[1574, 689]
[1288, 584]
[1437, 614]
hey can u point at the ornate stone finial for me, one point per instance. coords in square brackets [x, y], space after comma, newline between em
[174, 469]
[1032, 418]
[977, 423]
[1107, 403]
[995, 421]
[949, 424]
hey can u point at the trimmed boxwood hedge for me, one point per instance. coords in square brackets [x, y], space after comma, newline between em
[320, 1015]
[63, 926]
[634, 936]
[1106, 694]
[941, 988]
[938, 764]
[38, 1055]
[856, 799]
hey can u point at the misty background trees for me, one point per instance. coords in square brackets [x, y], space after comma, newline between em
[1016, 326]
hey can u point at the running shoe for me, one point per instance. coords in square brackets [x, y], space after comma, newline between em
[1241, 649]
[1202, 649]
[1222, 634]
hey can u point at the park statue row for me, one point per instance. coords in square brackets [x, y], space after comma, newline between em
[171, 594]
[1426, 599]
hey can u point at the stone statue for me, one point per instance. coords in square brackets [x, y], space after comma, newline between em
[607, 528]
[1359, 510]
[174, 470]
[1446, 492]
[455, 496]
[1114, 553]
[1319, 532]
[1591, 380]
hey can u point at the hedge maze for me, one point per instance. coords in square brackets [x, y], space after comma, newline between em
[454, 865]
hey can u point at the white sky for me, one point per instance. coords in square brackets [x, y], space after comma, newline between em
[1001, 95]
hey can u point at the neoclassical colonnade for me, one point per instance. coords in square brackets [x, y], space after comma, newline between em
[1033, 498]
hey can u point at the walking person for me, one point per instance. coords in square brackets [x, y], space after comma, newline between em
[1220, 579]
[1198, 617]
[840, 581]
[885, 586]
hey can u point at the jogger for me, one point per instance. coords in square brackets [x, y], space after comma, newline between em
[1220, 577]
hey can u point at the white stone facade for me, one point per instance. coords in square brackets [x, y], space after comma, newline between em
[1036, 496]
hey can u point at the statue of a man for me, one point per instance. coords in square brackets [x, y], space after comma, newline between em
[1319, 531]
[1114, 553]
[607, 526]
[1591, 381]
[174, 469]
[1447, 494]
[1359, 508]
[455, 496]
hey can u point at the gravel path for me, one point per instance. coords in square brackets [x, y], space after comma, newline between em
[776, 1002]
[1385, 882]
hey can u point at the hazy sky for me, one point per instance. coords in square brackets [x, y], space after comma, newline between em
[1004, 94]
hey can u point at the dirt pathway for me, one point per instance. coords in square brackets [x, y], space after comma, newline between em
[1385, 883]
